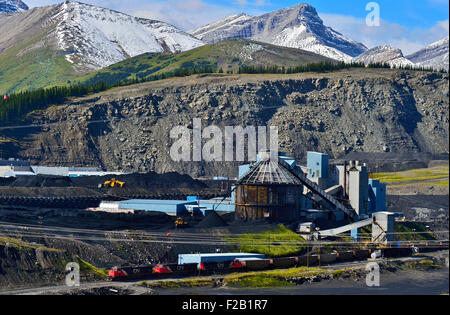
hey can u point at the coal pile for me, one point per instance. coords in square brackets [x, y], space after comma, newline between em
[6, 181]
[149, 180]
[211, 221]
[42, 181]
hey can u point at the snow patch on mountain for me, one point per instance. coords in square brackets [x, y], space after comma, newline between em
[226, 22]
[435, 55]
[384, 54]
[290, 38]
[102, 37]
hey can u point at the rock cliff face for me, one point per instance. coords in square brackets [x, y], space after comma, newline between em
[365, 110]
[24, 266]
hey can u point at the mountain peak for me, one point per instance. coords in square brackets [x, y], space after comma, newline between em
[298, 26]
[12, 6]
[435, 55]
[307, 10]
[102, 36]
[384, 54]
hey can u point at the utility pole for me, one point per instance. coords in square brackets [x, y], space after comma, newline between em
[319, 254]
[307, 253]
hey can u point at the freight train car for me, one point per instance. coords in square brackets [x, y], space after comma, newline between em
[344, 255]
[129, 272]
[220, 267]
[327, 258]
[284, 262]
[244, 264]
[307, 260]
[360, 254]
[396, 252]
[257, 264]
[176, 269]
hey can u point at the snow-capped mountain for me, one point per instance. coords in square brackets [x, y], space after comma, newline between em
[12, 6]
[435, 56]
[384, 54]
[297, 27]
[101, 37]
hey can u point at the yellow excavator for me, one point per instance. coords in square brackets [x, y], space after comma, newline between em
[113, 183]
[180, 223]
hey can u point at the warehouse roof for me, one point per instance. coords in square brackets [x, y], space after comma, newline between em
[269, 172]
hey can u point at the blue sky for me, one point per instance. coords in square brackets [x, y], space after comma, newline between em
[406, 24]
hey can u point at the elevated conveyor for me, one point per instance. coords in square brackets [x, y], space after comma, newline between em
[317, 190]
[345, 228]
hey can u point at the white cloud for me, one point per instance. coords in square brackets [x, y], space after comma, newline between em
[185, 14]
[241, 2]
[398, 36]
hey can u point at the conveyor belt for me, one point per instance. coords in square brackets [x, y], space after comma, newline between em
[317, 190]
[346, 228]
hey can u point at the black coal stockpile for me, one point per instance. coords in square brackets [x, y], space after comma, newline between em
[150, 180]
[212, 220]
[6, 181]
[42, 181]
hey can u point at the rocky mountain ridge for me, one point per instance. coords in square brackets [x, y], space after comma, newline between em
[297, 27]
[435, 55]
[384, 54]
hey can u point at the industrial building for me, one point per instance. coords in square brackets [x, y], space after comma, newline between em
[319, 193]
[192, 206]
[284, 191]
[17, 168]
[377, 196]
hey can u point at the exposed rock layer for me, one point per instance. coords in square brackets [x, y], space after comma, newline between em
[368, 110]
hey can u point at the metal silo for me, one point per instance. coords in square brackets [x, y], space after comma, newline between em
[269, 191]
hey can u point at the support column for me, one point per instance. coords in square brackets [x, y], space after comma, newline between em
[383, 227]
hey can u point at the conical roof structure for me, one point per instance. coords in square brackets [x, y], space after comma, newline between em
[269, 173]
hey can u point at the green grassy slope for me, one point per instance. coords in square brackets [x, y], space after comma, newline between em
[227, 55]
[274, 242]
[31, 65]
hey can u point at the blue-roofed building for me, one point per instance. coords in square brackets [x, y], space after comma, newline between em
[218, 204]
[193, 205]
[13, 162]
[171, 207]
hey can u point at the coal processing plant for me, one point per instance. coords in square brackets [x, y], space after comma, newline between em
[321, 196]
[318, 196]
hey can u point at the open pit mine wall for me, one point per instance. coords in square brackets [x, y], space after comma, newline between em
[370, 110]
